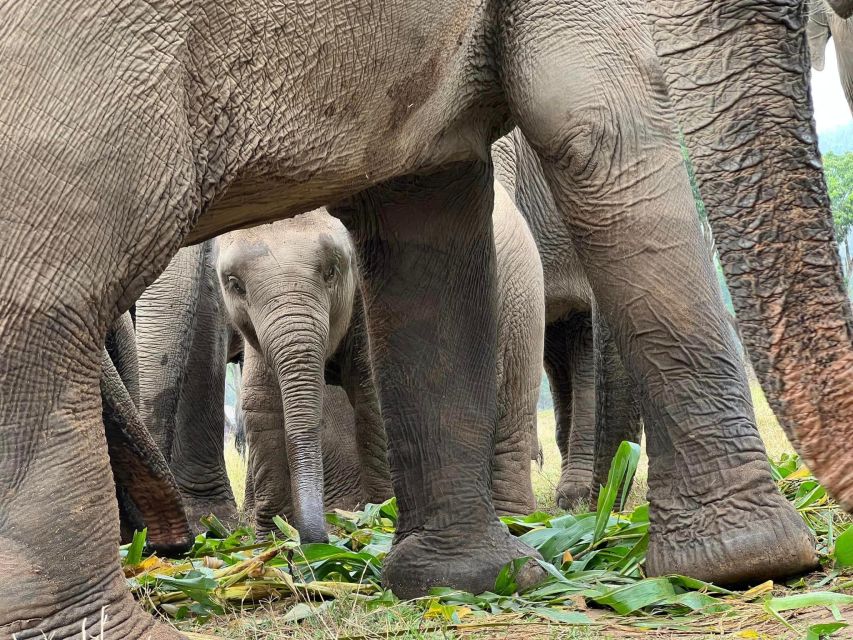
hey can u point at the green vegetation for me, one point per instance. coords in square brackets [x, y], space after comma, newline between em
[838, 169]
[233, 585]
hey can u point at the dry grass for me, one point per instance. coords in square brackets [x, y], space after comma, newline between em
[545, 479]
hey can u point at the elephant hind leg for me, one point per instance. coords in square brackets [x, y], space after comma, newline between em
[139, 469]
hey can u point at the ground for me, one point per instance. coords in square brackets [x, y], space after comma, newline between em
[356, 618]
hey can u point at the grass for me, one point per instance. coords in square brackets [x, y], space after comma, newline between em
[357, 616]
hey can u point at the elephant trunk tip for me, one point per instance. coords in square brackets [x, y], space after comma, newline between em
[822, 407]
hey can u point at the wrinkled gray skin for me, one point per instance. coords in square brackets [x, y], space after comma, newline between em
[146, 491]
[293, 291]
[521, 331]
[131, 129]
[285, 262]
[184, 343]
[823, 25]
[595, 404]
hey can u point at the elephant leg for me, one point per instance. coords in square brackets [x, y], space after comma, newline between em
[165, 323]
[148, 489]
[560, 380]
[521, 332]
[576, 476]
[596, 112]
[198, 452]
[370, 440]
[247, 511]
[59, 525]
[617, 413]
[343, 486]
[425, 243]
[121, 347]
[264, 418]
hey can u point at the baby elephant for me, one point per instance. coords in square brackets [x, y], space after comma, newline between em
[292, 289]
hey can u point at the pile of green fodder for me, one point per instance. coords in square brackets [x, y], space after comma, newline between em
[594, 564]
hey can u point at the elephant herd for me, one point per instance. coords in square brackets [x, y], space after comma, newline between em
[503, 188]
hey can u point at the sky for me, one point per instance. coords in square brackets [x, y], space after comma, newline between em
[830, 107]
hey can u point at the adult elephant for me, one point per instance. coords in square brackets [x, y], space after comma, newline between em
[595, 404]
[132, 129]
[823, 25]
[184, 343]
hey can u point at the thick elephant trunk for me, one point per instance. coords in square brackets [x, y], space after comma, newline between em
[295, 348]
[738, 75]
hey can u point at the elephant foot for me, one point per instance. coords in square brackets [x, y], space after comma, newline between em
[571, 495]
[731, 541]
[96, 607]
[466, 560]
[223, 508]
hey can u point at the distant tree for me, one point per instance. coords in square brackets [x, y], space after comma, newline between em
[838, 169]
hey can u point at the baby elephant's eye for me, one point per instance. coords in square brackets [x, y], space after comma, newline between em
[330, 272]
[236, 286]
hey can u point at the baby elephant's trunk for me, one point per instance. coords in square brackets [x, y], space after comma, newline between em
[297, 354]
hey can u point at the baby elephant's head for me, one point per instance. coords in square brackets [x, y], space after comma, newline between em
[292, 277]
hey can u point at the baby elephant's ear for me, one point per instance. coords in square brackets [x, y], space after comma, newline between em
[818, 33]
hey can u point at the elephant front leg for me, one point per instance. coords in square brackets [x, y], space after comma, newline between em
[268, 473]
[596, 113]
[428, 254]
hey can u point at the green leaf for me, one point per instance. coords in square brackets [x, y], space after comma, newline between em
[633, 597]
[824, 630]
[843, 552]
[698, 601]
[695, 584]
[562, 616]
[137, 546]
[505, 583]
[622, 470]
[214, 525]
[290, 533]
[552, 542]
[806, 600]
[196, 586]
